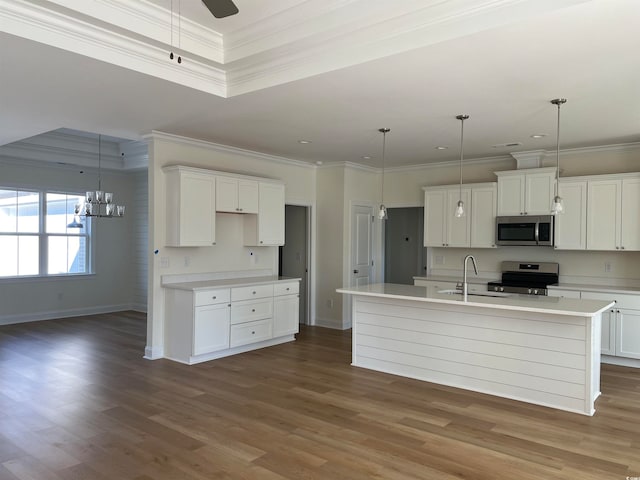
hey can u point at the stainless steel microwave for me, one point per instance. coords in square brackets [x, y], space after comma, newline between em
[525, 230]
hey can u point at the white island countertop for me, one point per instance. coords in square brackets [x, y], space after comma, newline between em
[228, 282]
[525, 303]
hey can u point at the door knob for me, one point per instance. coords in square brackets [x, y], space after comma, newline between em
[355, 271]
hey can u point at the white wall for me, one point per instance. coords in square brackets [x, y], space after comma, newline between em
[228, 255]
[139, 212]
[110, 289]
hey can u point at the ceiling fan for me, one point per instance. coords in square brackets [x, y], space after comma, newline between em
[221, 8]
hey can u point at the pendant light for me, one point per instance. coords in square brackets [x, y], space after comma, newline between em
[97, 203]
[382, 212]
[557, 207]
[460, 206]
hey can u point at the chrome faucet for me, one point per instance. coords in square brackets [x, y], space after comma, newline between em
[465, 287]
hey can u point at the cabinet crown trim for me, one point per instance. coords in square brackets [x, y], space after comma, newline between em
[217, 173]
[525, 171]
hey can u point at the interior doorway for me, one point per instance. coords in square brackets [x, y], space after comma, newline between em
[404, 251]
[294, 254]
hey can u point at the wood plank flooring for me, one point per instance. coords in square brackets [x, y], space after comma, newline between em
[78, 401]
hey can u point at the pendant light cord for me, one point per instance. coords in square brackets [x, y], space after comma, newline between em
[99, 162]
[558, 152]
[384, 132]
[461, 154]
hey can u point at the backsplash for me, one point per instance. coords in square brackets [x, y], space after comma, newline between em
[593, 267]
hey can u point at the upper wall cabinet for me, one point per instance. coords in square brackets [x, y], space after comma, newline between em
[195, 194]
[526, 192]
[475, 229]
[612, 213]
[267, 227]
[236, 195]
[191, 208]
[571, 226]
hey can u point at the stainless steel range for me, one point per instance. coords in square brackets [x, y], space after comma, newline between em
[526, 278]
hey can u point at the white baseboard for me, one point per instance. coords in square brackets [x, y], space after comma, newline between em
[54, 314]
[331, 323]
[139, 307]
[622, 361]
[151, 353]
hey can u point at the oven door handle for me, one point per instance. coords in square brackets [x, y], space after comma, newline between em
[536, 232]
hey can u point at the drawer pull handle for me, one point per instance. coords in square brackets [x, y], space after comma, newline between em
[214, 297]
[254, 292]
[253, 309]
[253, 333]
[288, 289]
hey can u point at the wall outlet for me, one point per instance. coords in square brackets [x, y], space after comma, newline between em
[607, 267]
[164, 262]
[253, 257]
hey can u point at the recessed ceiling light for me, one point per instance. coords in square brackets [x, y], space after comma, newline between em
[440, 147]
[304, 141]
[366, 157]
[319, 162]
[538, 135]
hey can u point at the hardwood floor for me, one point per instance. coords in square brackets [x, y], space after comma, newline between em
[78, 401]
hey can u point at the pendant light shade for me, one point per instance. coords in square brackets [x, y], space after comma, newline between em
[557, 207]
[382, 211]
[460, 206]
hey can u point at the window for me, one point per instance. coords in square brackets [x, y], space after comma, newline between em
[34, 237]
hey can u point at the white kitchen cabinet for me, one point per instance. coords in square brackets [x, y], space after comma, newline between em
[620, 324]
[211, 328]
[236, 195]
[197, 322]
[190, 206]
[475, 229]
[483, 216]
[267, 227]
[612, 219]
[211, 323]
[571, 226]
[526, 192]
[285, 315]
[441, 227]
[556, 292]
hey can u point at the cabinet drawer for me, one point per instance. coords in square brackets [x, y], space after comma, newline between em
[211, 297]
[250, 332]
[553, 292]
[286, 288]
[251, 310]
[247, 293]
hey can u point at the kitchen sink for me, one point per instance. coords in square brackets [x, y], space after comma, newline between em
[476, 294]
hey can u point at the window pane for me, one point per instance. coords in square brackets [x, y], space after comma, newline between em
[60, 211]
[19, 255]
[28, 212]
[8, 210]
[8, 255]
[28, 255]
[67, 254]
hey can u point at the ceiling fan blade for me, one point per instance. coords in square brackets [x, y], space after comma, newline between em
[221, 8]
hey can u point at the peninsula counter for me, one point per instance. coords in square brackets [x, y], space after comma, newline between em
[541, 350]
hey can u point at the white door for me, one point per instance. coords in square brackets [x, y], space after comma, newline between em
[603, 214]
[511, 195]
[458, 228]
[630, 233]
[539, 192]
[435, 202]
[483, 217]
[361, 255]
[571, 226]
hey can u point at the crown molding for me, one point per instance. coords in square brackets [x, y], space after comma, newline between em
[169, 137]
[77, 34]
[276, 50]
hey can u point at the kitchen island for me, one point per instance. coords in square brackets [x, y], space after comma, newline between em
[541, 350]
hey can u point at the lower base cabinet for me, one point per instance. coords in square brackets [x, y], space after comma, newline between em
[285, 318]
[211, 328]
[203, 325]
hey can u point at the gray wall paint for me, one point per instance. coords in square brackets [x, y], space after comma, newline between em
[293, 255]
[116, 258]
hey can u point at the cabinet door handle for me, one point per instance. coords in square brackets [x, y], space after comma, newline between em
[253, 333]
[261, 241]
[254, 292]
[355, 271]
[617, 248]
[621, 248]
[214, 297]
[253, 310]
[288, 289]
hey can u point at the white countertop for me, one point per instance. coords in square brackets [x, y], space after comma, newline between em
[527, 303]
[596, 288]
[228, 282]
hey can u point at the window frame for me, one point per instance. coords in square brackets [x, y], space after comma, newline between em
[43, 237]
